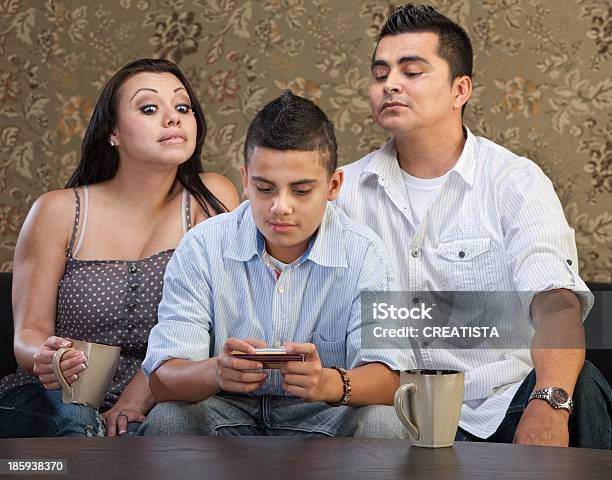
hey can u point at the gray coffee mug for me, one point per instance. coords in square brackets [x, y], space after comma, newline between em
[428, 403]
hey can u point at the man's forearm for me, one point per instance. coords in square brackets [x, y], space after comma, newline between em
[557, 368]
[184, 380]
[557, 348]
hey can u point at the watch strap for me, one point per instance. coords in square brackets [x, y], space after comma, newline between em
[547, 394]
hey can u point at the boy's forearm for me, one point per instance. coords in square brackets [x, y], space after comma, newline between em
[184, 380]
[137, 394]
[371, 384]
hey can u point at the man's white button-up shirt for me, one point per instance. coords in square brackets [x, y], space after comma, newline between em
[496, 225]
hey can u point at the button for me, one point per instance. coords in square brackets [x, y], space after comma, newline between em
[569, 262]
[281, 289]
[415, 300]
[461, 254]
[415, 253]
[425, 344]
[132, 306]
[133, 268]
[131, 326]
[133, 286]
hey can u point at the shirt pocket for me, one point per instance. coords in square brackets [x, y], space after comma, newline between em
[465, 264]
[332, 353]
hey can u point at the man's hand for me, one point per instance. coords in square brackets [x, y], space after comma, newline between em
[542, 424]
[230, 371]
[303, 379]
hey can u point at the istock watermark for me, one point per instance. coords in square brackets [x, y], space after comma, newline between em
[466, 320]
[383, 311]
[436, 332]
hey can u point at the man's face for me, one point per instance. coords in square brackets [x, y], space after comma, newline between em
[288, 190]
[410, 88]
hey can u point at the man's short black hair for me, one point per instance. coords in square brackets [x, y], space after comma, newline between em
[454, 44]
[291, 122]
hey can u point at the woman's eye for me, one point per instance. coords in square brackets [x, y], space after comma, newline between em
[301, 192]
[264, 190]
[183, 108]
[149, 109]
[413, 74]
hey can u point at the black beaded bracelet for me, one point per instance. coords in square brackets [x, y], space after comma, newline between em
[346, 384]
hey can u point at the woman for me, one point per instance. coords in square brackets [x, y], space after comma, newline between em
[90, 259]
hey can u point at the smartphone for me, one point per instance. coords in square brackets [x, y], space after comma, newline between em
[270, 357]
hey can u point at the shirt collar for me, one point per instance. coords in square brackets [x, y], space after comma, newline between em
[384, 162]
[247, 241]
[325, 248]
[465, 165]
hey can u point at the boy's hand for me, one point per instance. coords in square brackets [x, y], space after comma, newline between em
[230, 371]
[304, 379]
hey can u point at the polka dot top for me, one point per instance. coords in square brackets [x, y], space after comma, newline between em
[113, 302]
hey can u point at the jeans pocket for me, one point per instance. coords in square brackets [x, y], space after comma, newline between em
[16, 422]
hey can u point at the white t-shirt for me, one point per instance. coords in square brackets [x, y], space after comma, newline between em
[421, 193]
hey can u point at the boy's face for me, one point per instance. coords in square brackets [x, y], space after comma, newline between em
[288, 190]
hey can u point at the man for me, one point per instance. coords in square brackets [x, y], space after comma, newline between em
[460, 213]
[285, 268]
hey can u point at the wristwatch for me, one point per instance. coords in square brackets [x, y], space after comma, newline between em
[555, 396]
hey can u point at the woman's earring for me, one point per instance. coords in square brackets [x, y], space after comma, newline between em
[112, 143]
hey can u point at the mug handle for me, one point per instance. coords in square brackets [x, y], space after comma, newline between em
[398, 403]
[57, 357]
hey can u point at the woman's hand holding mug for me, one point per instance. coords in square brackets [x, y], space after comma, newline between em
[72, 364]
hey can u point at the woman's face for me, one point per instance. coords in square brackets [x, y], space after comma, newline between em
[155, 123]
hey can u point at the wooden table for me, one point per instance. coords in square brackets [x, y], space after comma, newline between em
[240, 458]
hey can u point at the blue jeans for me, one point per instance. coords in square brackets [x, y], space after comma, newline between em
[590, 424]
[32, 411]
[233, 414]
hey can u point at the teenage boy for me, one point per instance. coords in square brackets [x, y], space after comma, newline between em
[286, 268]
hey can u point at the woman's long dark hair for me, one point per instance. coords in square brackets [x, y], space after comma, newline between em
[99, 161]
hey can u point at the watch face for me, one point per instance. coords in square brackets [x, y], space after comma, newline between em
[559, 396]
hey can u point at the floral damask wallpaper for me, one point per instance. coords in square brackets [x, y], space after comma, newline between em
[542, 85]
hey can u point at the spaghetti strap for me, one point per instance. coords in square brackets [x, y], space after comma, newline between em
[85, 215]
[186, 211]
[75, 227]
[183, 210]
